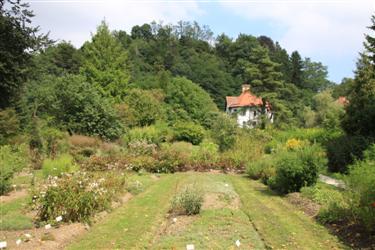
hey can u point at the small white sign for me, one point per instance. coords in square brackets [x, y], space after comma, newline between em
[59, 218]
[238, 243]
[190, 247]
[3, 244]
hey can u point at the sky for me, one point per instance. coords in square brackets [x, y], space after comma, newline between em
[329, 31]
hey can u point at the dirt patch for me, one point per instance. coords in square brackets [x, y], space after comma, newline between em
[155, 177]
[309, 207]
[62, 236]
[14, 195]
[221, 200]
[353, 235]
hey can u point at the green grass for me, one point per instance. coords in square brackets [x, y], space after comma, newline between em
[280, 225]
[262, 220]
[13, 215]
[133, 225]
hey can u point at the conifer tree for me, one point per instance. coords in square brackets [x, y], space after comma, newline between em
[106, 62]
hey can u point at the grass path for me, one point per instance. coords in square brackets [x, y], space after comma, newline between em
[279, 223]
[133, 225]
[260, 220]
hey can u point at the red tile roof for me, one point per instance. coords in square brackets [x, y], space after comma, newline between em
[244, 100]
[342, 100]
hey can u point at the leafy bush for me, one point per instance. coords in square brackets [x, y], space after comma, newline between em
[189, 132]
[9, 124]
[205, 155]
[155, 134]
[58, 166]
[141, 148]
[189, 201]
[361, 184]
[263, 169]
[141, 107]
[344, 150]
[52, 137]
[142, 162]
[83, 141]
[76, 197]
[103, 163]
[224, 131]
[369, 153]
[12, 160]
[297, 169]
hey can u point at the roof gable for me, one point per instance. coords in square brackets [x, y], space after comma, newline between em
[244, 100]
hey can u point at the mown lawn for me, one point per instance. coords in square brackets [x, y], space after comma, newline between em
[13, 215]
[244, 210]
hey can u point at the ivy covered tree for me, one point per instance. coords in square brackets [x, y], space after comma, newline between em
[105, 63]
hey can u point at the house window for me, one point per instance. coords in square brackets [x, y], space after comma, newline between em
[255, 113]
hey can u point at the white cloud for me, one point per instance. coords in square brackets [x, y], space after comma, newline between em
[74, 20]
[321, 28]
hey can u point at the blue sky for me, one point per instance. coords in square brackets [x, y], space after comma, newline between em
[330, 31]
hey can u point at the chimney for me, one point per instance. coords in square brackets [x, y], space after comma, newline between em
[245, 87]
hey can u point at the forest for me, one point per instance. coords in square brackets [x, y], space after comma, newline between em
[152, 102]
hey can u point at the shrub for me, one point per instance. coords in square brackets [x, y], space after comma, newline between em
[263, 169]
[141, 148]
[344, 150]
[76, 197]
[83, 141]
[189, 201]
[361, 184]
[58, 166]
[142, 162]
[154, 134]
[369, 153]
[103, 163]
[205, 155]
[189, 132]
[51, 138]
[297, 169]
[224, 131]
[12, 160]
[175, 156]
[9, 124]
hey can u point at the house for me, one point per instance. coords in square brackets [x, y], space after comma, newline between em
[248, 108]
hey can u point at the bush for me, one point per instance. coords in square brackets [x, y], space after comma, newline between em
[344, 150]
[52, 137]
[297, 169]
[263, 169]
[224, 131]
[83, 141]
[205, 155]
[9, 124]
[155, 134]
[58, 166]
[12, 160]
[104, 163]
[145, 162]
[189, 201]
[141, 148]
[361, 184]
[189, 132]
[76, 197]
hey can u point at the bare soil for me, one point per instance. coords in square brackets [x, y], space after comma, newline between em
[13, 195]
[220, 200]
[306, 205]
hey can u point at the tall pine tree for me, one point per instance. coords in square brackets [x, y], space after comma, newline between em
[105, 62]
[360, 115]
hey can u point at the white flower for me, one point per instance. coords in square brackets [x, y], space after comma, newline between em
[238, 243]
[3, 244]
[226, 184]
[174, 220]
[190, 247]
[48, 226]
[18, 242]
[59, 218]
[55, 177]
[28, 235]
